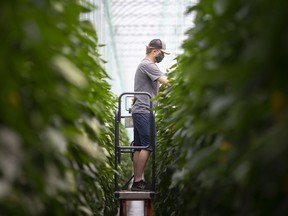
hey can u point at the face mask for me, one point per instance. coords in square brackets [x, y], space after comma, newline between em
[159, 57]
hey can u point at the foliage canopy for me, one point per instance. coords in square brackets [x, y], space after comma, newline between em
[223, 124]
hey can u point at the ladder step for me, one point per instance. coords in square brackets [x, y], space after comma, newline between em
[134, 195]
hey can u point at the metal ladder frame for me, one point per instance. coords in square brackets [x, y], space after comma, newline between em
[123, 195]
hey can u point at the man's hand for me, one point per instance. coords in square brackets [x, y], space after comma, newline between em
[164, 80]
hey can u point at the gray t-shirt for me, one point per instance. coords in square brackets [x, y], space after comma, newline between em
[146, 80]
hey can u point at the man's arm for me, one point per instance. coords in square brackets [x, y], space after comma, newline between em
[164, 80]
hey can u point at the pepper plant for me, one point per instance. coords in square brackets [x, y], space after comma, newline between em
[222, 125]
[56, 112]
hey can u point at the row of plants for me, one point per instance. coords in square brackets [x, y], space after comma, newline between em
[56, 112]
[222, 125]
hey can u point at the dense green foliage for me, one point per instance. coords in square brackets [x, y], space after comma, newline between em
[222, 126]
[57, 110]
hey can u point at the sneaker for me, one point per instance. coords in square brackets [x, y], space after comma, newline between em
[139, 186]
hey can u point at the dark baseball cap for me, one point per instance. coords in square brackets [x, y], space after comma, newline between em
[158, 44]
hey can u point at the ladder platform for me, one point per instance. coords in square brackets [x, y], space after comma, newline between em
[134, 195]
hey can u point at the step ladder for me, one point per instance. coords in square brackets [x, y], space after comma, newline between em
[124, 196]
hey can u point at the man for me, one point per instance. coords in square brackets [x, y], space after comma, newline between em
[147, 79]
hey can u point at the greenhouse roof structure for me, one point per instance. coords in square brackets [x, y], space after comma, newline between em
[126, 26]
